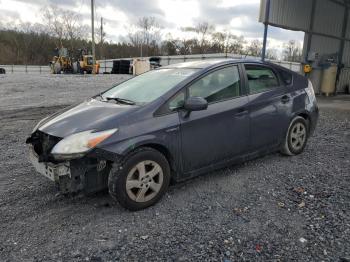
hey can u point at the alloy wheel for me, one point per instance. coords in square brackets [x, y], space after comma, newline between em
[144, 181]
[298, 136]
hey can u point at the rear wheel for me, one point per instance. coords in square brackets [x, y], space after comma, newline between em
[296, 137]
[141, 180]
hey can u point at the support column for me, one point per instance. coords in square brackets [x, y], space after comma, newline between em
[311, 29]
[266, 24]
[342, 45]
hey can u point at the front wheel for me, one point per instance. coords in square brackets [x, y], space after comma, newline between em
[296, 137]
[141, 180]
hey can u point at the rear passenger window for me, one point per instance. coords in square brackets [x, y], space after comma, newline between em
[260, 79]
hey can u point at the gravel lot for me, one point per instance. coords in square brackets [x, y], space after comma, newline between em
[271, 209]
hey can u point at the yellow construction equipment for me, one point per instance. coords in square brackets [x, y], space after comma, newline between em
[82, 63]
[61, 62]
[86, 65]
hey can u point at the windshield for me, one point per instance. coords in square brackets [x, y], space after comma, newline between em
[149, 86]
[89, 60]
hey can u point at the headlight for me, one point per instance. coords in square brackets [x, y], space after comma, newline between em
[76, 145]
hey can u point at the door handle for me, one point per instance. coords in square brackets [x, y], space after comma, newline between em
[241, 112]
[285, 99]
[170, 130]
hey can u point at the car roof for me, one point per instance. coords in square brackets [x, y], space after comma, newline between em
[202, 64]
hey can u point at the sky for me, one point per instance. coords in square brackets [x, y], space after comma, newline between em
[239, 17]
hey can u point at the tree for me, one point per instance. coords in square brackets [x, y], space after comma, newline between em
[236, 44]
[203, 30]
[254, 48]
[64, 24]
[271, 54]
[55, 23]
[146, 35]
[292, 51]
[219, 42]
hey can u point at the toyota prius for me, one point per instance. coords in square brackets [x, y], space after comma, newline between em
[171, 124]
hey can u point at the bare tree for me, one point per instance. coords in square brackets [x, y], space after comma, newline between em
[254, 48]
[219, 42]
[73, 29]
[235, 44]
[64, 24]
[292, 51]
[145, 34]
[135, 38]
[55, 23]
[203, 30]
[271, 54]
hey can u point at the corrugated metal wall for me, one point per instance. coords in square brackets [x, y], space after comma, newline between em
[346, 54]
[329, 18]
[296, 15]
[348, 29]
[293, 14]
[344, 79]
[324, 45]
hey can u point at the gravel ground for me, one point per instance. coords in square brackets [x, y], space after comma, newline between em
[271, 209]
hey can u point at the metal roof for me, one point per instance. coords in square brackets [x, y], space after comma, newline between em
[322, 17]
[326, 24]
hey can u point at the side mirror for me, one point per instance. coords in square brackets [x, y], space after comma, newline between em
[195, 103]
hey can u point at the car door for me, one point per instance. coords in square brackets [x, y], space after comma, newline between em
[221, 131]
[269, 106]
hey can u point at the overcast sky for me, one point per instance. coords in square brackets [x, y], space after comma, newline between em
[237, 16]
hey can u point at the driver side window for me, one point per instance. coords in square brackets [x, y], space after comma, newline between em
[219, 85]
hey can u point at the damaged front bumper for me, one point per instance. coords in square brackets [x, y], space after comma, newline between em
[87, 175]
[50, 170]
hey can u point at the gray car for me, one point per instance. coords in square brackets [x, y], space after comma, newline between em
[172, 124]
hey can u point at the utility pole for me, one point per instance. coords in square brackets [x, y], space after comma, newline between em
[101, 41]
[101, 28]
[141, 49]
[93, 35]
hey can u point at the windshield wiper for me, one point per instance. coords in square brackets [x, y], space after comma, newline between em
[121, 100]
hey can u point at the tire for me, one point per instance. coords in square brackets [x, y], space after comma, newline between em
[57, 68]
[75, 68]
[296, 137]
[144, 192]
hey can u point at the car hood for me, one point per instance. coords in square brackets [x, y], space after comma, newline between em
[89, 115]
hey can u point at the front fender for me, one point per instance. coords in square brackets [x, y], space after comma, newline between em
[122, 148]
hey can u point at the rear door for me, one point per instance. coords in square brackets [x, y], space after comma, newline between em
[220, 132]
[270, 105]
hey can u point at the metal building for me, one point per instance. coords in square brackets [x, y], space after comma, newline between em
[326, 24]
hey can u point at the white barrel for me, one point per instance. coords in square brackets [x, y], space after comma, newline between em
[329, 79]
[141, 66]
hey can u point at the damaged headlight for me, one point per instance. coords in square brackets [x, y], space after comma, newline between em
[76, 145]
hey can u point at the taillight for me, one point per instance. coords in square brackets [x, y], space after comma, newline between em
[310, 92]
